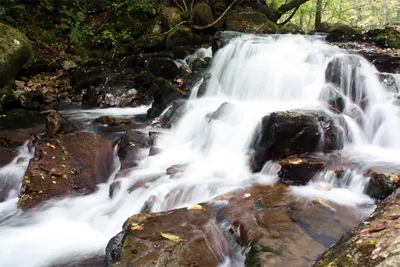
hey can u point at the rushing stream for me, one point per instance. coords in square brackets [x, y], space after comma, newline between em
[257, 75]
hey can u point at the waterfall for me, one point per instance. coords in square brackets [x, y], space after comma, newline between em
[254, 75]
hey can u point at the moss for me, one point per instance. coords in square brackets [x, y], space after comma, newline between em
[181, 35]
[15, 50]
[291, 28]
[151, 42]
[344, 33]
[250, 22]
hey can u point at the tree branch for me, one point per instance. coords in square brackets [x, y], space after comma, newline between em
[294, 4]
[290, 17]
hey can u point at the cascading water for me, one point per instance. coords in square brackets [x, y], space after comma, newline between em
[256, 75]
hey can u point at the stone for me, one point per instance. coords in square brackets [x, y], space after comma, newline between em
[203, 14]
[389, 81]
[297, 171]
[182, 36]
[176, 238]
[73, 165]
[291, 28]
[333, 98]
[250, 22]
[388, 37]
[283, 134]
[164, 94]
[129, 147]
[379, 185]
[116, 124]
[164, 67]
[170, 16]
[57, 125]
[220, 39]
[15, 51]
[151, 42]
[344, 33]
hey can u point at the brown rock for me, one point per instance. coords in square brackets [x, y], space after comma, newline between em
[72, 165]
[56, 125]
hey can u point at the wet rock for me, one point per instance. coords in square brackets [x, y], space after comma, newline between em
[342, 72]
[73, 164]
[182, 36]
[333, 98]
[380, 186]
[374, 242]
[203, 14]
[114, 188]
[282, 134]
[164, 67]
[148, 205]
[382, 61]
[154, 151]
[164, 94]
[250, 22]
[200, 64]
[129, 147]
[176, 169]
[297, 171]
[220, 39]
[389, 80]
[57, 125]
[225, 109]
[20, 118]
[116, 124]
[15, 51]
[344, 33]
[176, 238]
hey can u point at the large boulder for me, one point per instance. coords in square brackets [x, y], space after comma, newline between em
[291, 28]
[151, 42]
[250, 22]
[71, 165]
[220, 39]
[344, 33]
[183, 35]
[203, 14]
[15, 51]
[283, 134]
[170, 16]
[164, 67]
[56, 125]
[374, 242]
[333, 98]
[177, 238]
[296, 171]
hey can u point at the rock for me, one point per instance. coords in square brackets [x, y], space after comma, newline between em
[57, 125]
[170, 16]
[342, 72]
[283, 134]
[344, 33]
[113, 124]
[374, 242]
[291, 28]
[164, 94]
[15, 51]
[154, 151]
[8, 100]
[379, 185]
[223, 110]
[182, 36]
[220, 39]
[333, 98]
[200, 64]
[71, 165]
[69, 65]
[297, 171]
[114, 188]
[176, 238]
[151, 42]
[175, 169]
[203, 14]
[164, 67]
[389, 80]
[20, 118]
[129, 147]
[250, 22]
[388, 37]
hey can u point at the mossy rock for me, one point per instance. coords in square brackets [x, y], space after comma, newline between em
[20, 118]
[151, 43]
[15, 51]
[7, 100]
[388, 37]
[203, 14]
[250, 22]
[170, 16]
[181, 36]
[291, 28]
[344, 33]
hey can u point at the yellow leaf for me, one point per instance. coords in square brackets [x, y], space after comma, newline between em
[50, 145]
[195, 207]
[171, 237]
[295, 161]
[137, 228]
[394, 178]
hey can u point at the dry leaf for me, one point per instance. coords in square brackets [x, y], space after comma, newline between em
[394, 178]
[295, 161]
[137, 228]
[195, 207]
[52, 146]
[392, 216]
[171, 237]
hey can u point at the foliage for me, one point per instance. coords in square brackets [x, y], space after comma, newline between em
[145, 8]
[73, 24]
[7, 7]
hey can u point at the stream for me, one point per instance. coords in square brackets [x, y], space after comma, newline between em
[257, 75]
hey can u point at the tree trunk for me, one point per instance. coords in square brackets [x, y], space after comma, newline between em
[385, 12]
[318, 16]
[398, 10]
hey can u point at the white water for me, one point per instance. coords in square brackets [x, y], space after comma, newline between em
[257, 75]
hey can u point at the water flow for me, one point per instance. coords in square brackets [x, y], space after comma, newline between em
[255, 75]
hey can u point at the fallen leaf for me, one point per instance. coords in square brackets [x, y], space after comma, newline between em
[394, 178]
[195, 207]
[295, 161]
[137, 228]
[52, 146]
[378, 227]
[172, 237]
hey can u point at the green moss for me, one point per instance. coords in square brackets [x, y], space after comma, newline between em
[291, 28]
[344, 33]
[144, 8]
[250, 22]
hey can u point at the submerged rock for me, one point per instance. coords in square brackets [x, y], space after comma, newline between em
[72, 165]
[283, 134]
[333, 98]
[296, 171]
[129, 147]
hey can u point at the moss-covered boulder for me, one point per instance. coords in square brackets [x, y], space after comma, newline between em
[15, 51]
[181, 36]
[250, 22]
[170, 16]
[344, 33]
[388, 37]
[151, 42]
[291, 28]
[203, 14]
